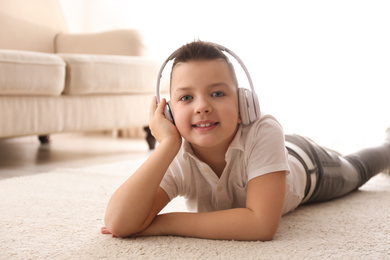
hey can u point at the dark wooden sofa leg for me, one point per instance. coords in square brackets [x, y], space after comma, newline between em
[149, 138]
[44, 139]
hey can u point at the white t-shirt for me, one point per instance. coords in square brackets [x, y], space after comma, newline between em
[256, 150]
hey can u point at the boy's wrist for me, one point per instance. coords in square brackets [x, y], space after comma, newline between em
[172, 142]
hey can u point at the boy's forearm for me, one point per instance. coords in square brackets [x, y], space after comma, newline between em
[232, 224]
[130, 205]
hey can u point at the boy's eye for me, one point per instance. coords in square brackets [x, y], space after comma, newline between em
[186, 98]
[218, 94]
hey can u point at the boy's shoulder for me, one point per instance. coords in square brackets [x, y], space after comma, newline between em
[266, 123]
[264, 130]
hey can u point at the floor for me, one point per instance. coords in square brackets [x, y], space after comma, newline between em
[26, 156]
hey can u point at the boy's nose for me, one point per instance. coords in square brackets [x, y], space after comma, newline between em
[203, 108]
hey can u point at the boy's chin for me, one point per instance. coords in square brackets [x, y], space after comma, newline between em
[205, 143]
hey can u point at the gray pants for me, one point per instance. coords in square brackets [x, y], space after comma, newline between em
[334, 175]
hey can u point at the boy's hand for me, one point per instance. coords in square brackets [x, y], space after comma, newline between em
[161, 128]
[149, 231]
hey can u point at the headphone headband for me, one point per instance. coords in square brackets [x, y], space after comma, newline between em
[221, 48]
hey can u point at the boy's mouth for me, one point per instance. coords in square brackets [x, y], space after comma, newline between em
[204, 124]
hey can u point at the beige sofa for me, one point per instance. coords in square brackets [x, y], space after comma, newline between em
[52, 81]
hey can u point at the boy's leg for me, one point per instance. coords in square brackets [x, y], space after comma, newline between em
[337, 175]
[370, 161]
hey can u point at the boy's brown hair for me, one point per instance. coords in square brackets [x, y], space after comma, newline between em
[199, 50]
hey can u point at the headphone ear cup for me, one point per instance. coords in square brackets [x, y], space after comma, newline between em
[243, 106]
[248, 105]
[168, 112]
[256, 105]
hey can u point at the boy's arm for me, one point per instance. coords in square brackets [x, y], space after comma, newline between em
[136, 202]
[258, 221]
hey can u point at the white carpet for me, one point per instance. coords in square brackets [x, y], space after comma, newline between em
[58, 215]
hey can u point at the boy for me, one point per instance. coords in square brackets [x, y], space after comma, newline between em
[238, 180]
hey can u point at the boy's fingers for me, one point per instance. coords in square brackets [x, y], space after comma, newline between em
[153, 104]
[156, 109]
[161, 106]
[153, 107]
[104, 230]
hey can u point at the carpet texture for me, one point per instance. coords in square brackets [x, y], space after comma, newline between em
[58, 215]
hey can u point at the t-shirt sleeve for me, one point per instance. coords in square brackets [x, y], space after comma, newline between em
[174, 182]
[268, 152]
[169, 184]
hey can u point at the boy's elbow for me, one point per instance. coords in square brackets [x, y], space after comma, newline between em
[120, 231]
[259, 236]
[119, 228]
[265, 231]
[270, 233]
[117, 231]
[262, 235]
[268, 237]
[114, 228]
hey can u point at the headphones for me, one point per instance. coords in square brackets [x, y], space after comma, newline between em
[248, 102]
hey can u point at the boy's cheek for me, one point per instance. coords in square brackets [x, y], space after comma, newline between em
[182, 130]
[181, 124]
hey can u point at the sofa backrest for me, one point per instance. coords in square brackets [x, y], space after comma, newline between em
[30, 25]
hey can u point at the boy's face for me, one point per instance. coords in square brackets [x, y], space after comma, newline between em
[205, 103]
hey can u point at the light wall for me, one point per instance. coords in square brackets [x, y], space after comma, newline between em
[321, 67]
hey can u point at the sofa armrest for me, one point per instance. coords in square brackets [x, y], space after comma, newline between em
[117, 42]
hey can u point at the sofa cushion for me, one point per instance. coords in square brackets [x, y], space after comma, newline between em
[31, 73]
[109, 74]
[31, 25]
